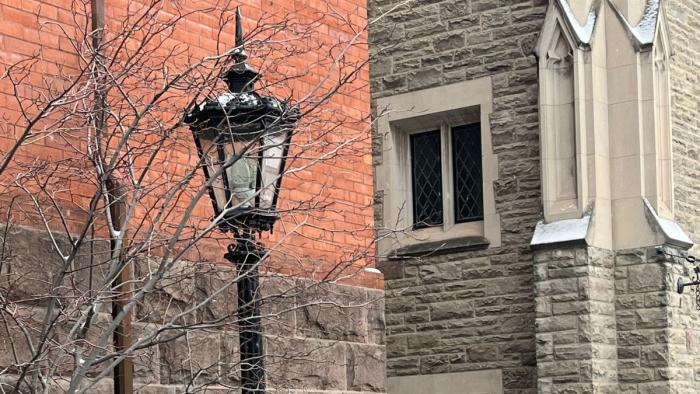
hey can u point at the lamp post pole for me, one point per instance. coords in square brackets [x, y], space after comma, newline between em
[245, 254]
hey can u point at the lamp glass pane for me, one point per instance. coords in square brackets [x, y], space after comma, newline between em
[211, 161]
[272, 152]
[241, 175]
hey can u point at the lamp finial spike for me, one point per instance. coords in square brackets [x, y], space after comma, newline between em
[240, 51]
[240, 77]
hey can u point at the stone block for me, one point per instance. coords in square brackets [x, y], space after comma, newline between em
[16, 347]
[652, 318]
[215, 284]
[103, 386]
[278, 295]
[483, 271]
[604, 351]
[172, 297]
[33, 268]
[417, 317]
[631, 257]
[656, 356]
[305, 364]
[451, 310]
[638, 375]
[558, 368]
[391, 82]
[658, 300]
[449, 10]
[494, 19]
[397, 305]
[376, 324]
[391, 269]
[597, 289]
[544, 347]
[440, 273]
[396, 346]
[493, 310]
[640, 337]
[632, 301]
[483, 353]
[424, 78]
[654, 388]
[155, 389]
[403, 366]
[421, 342]
[365, 368]
[449, 41]
[568, 308]
[628, 352]
[332, 312]
[193, 355]
[573, 352]
[230, 361]
[99, 325]
[518, 378]
[556, 323]
[543, 307]
[645, 277]
[507, 285]
[146, 361]
[556, 287]
[511, 324]
[628, 364]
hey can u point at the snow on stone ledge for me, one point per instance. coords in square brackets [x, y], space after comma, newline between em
[672, 232]
[567, 230]
[644, 32]
[583, 33]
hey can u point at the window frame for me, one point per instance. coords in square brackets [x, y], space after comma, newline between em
[402, 114]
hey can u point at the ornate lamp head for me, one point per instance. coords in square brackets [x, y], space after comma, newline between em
[243, 140]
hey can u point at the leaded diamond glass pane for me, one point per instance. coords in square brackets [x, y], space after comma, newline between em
[426, 172]
[466, 161]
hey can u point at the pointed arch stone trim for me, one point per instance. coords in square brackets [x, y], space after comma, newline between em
[564, 73]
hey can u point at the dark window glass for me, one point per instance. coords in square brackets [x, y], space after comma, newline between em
[466, 161]
[426, 172]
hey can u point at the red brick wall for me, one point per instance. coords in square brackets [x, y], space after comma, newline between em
[315, 241]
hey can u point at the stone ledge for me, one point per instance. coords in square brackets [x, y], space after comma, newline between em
[436, 248]
[561, 233]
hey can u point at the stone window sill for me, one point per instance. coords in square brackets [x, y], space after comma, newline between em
[436, 248]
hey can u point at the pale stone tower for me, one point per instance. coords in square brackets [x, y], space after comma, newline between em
[562, 276]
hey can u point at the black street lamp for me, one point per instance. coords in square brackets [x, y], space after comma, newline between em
[242, 139]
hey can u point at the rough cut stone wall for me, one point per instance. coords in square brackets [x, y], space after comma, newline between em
[318, 337]
[684, 329]
[575, 298]
[658, 334]
[642, 318]
[461, 313]
[684, 336]
[471, 310]
[684, 24]
[612, 322]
